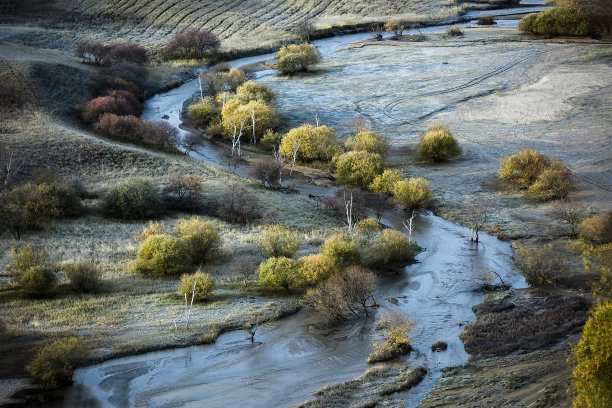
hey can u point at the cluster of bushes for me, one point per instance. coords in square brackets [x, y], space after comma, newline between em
[294, 58]
[396, 341]
[570, 17]
[193, 242]
[538, 175]
[100, 54]
[140, 198]
[33, 203]
[36, 272]
[120, 92]
[192, 43]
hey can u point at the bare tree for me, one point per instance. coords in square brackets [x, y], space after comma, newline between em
[190, 142]
[350, 221]
[305, 30]
[478, 213]
[569, 213]
[280, 158]
[253, 138]
[187, 314]
[410, 225]
[10, 166]
[232, 160]
[266, 171]
[295, 146]
[200, 84]
[236, 137]
[245, 267]
[379, 204]
[183, 186]
[377, 30]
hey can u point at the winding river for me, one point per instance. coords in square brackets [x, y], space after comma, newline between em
[288, 362]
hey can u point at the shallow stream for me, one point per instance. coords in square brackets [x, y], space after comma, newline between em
[288, 362]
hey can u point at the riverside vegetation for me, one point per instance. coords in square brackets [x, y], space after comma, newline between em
[196, 232]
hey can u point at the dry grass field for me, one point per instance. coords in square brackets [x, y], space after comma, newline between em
[241, 25]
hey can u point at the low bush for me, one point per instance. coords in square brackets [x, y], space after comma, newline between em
[38, 281]
[413, 193]
[370, 141]
[540, 176]
[91, 51]
[204, 286]
[267, 170]
[103, 84]
[560, 21]
[453, 31]
[553, 183]
[389, 248]
[592, 378]
[133, 199]
[181, 187]
[316, 143]
[522, 169]
[124, 128]
[315, 268]
[126, 53]
[437, 144]
[202, 112]
[280, 273]
[540, 267]
[367, 226]
[396, 342]
[253, 91]
[277, 241]
[92, 110]
[164, 256]
[384, 183]
[358, 168]
[201, 236]
[154, 228]
[597, 228]
[238, 205]
[84, 276]
[54, 364]
[296, 58]
[342, 249]
[28, 256]
[486, 19]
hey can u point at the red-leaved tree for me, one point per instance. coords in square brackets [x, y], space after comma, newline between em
[192, 43]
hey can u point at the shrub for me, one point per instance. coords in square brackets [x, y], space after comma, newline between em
[133, 199]
[235, 77]
[201, 236]
[38, 281]
[183, 186]
[164, 256]
[133, 102]
[367, 226]
[266, 170]
[160, 134]
[92, 110]
[437, 144]
[91, 51]
[154, 228]
[553, 183]
[238, 204]
[384, 183]
[315, 268]
[522, 169]
[343, 250]
[540, 267]
[204, 286]
[542, 177]
[396, 342]
[296, 58]
[271, 139]
[395, 26]
[560, 21]
[192, 43]
[597, 228]
[28, 256]
[54, 364]
[592, 378]
[133, 74]
[277, 241]
[202, 112]
[252, 91]
[277, 273]
[453, 31]
[486, 19]
[358, 168]
[389, 248]
[103, 84]
[236, 114]
[54, 199]
[370, 141]
[83, 276]
[126, 52]
[316, 143]
[124, 128]
[413, 193]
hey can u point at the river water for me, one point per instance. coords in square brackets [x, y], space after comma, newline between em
[288, 361]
